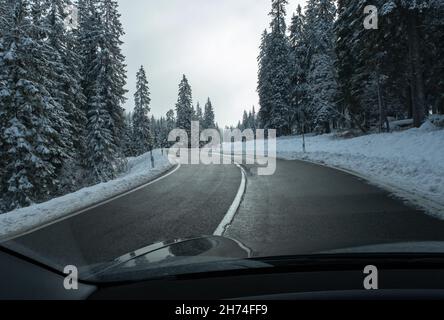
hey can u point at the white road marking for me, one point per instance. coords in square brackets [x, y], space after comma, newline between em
[90, 207]
[229, 216]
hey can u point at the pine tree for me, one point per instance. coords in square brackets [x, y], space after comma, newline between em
[245, 121]
[34, 143]
[128, 139]
[434, 34]
[411, 19]
[280, 69]
[170, 120]
[322, 91]
[104, 81]
[254, 120]
[264, 82]
[115, 71]
[87, 44]
[154, 132]
[143, 139]
[376, 69]
[184, 106]
[299, 65]
[163, 133]
[275, 72]
[69, 91]
[170, 125]
[209, 116]
[198, 113]
[321, 78]
[101, 147]
[347, 28]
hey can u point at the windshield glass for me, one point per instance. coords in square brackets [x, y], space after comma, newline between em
[141, 139]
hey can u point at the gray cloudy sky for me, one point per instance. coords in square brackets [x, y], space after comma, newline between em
[214, 42]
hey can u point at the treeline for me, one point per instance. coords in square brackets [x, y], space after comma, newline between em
[62, 90]
[61, 95]
[327, 71]
[144, 133]
[250, 120]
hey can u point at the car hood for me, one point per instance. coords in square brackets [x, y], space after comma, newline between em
[181, 256]
[211, 253]
[398, 247]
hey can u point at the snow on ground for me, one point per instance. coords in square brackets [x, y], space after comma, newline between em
[408, 163]
[139, 172]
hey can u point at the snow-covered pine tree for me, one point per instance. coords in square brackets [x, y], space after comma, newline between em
[254, 119]
[300, 66]
[6, 23]
[321, 79]
[347, 29]
[143, 137]
[209, 116]
[322, 90]
[128, 140]
[245, 121]
[170, 120]
[434, 57]
[154, 126]
[198, 114]
[170, 124]
[163, 133]
[264, 83]
[115, 72]
[101, 149]
[4, 16]
[280, 70]
[413, 26]
[184, 106]
[34, 140]
[104, 69]
[376, 69]
[69, 91]
[87, 42]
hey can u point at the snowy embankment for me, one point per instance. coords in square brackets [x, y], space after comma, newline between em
[139, 172]
[408, 163]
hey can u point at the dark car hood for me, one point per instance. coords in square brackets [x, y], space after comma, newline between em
[394, 247]
[182, 256]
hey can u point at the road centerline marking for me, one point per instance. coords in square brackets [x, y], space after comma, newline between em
[229, 216]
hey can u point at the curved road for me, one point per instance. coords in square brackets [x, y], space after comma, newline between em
[192, 201]
[306, 208]
[303, 208]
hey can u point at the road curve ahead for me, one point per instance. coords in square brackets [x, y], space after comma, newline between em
[306, 208]
[190, 202]
[303, 208]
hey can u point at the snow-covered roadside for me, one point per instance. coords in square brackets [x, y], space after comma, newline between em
[408, 163]
[139, 172]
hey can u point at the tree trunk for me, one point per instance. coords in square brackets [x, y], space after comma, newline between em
[438, 106]
[416, 70]
[381, 117]
[409, 100]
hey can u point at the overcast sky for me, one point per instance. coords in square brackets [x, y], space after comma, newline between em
[214, 42]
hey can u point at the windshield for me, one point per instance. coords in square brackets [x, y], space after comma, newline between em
[147, 138]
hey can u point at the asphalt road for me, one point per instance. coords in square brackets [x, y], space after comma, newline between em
[306, 208]
[303, 208]
[192, 201]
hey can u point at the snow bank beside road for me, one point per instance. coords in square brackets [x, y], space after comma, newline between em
[409, 163]
[139, 172]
